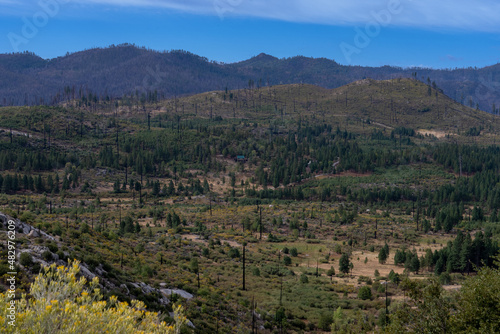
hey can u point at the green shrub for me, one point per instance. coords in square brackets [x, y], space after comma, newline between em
[74, 234]
[297, 323]
[304, 279]
[91, 261]
[365, 293]
[444, 278]
[36, 267]
[365, 279]
[53, 247]
[26, 259]
[47, 255]
[325, 321]
[205, 252]
[84, 228]
[4, 269]
[234, 253]
[57, 230]
[147, 271]
[204, 292]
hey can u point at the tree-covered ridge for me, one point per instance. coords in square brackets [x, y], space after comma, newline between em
[123, 69]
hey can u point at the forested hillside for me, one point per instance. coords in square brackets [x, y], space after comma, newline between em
[285, 208]
[26, 79]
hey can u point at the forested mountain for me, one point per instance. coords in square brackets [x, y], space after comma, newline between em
[125, 69]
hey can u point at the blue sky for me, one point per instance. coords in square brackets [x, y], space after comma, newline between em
[438, 34]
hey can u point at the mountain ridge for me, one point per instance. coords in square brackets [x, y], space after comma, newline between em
[27, 79]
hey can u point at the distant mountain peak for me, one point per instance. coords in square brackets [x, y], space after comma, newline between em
[266, 56]
[260, 58]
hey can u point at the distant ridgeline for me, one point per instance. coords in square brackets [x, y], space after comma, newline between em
[110, 73]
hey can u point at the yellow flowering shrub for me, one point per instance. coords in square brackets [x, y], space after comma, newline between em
[59, 303]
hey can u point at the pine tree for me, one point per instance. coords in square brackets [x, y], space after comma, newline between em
[386, 249]
[399, 257]
[428, 262]
[171, 188]
[415, 264]
[344, 263]
[156, 188]
[169, 220]
[465, 254]
[244, 268]
[382, 256]
[331, 273]
[6, 184]
[50, 183]
[65, 184]
[39, 184]
[454, 257]
[15, 182]
[206, 186]
[56, 184]
[116, 186]
[137, 228]
[440, 265]
[26, 184]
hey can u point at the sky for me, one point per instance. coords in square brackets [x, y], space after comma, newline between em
[406, 33]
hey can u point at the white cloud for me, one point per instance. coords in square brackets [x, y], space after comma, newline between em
[478, 15]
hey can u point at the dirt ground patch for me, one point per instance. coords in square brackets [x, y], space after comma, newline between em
[368, 269]
[342, 174]
[196, 238]
[360, 267]
[435, 133]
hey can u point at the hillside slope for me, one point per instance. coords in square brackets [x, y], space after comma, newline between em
[381, 104]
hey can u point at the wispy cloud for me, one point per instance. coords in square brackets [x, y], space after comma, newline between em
[478, 15]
